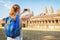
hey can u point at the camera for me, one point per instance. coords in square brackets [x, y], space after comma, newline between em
[25, 9]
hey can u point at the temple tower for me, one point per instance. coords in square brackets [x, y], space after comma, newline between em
[58, 11]
[51, 10]
[45, 10]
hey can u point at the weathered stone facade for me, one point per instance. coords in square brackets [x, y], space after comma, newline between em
[45, 21]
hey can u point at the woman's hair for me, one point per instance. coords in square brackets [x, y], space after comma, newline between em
[14, 9]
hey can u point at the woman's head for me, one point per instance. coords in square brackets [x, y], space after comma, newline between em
[15, 9]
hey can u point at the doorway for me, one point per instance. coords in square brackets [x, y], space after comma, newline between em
[23, 25]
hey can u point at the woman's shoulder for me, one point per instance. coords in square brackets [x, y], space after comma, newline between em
[17, 15]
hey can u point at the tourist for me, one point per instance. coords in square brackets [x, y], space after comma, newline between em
[12, 27]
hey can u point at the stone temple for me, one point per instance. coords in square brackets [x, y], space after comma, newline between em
[47, 19]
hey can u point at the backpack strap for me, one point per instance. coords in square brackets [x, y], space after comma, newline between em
[17, 20]
[6, 19]
[9, 19]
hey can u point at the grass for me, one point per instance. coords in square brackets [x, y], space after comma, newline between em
[34, 35]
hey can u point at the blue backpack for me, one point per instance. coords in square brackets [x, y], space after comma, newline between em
[12, 28]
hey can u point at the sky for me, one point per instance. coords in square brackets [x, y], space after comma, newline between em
[35, 5]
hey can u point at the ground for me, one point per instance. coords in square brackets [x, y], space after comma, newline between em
[36, 35]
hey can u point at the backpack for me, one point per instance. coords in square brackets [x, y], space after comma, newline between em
[12, 29]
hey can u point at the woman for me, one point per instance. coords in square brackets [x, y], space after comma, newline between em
[15, 10]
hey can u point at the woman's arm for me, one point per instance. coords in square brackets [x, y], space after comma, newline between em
[22, 12]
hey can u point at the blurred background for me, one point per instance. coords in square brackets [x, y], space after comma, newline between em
[40, 22]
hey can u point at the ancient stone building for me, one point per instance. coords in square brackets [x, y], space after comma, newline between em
[50, 20]
[44, 20]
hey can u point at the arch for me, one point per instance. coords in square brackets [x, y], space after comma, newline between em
[46, 21]
[49, 21]
[56, 21]
[52, 21]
